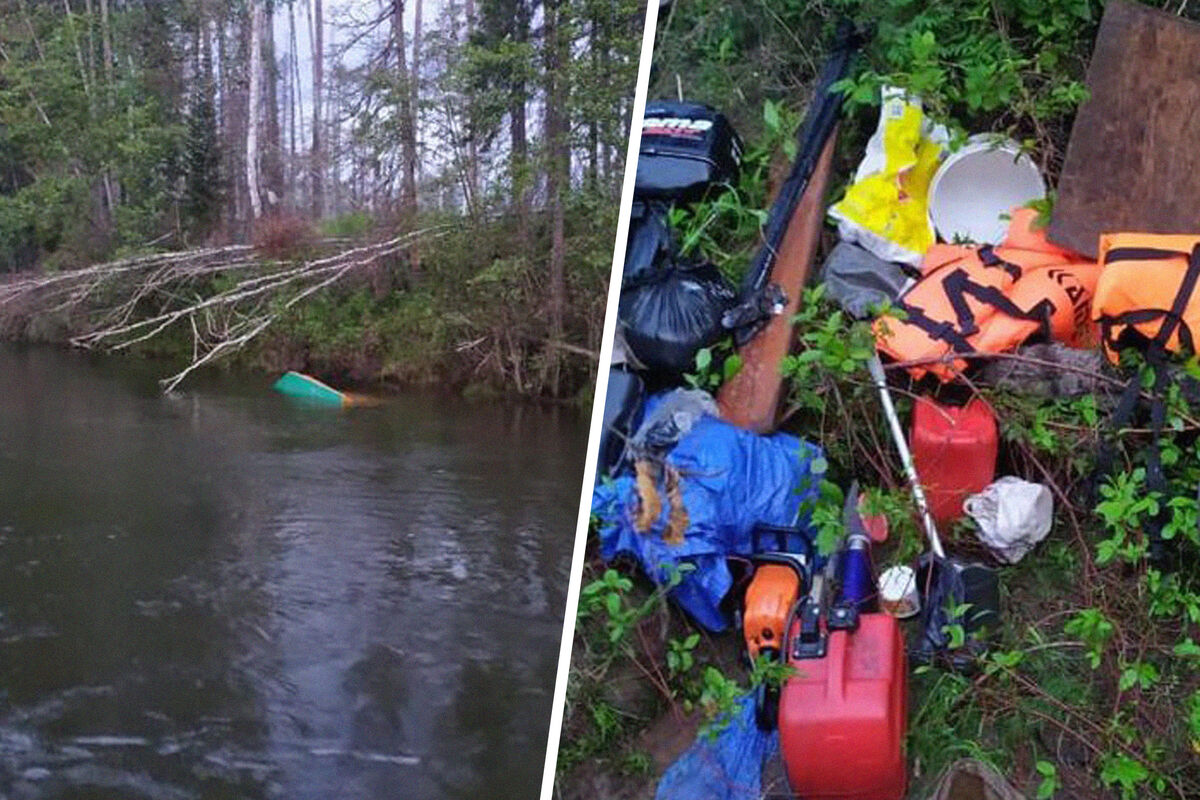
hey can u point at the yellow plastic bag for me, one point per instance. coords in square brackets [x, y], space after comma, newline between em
[886, 209]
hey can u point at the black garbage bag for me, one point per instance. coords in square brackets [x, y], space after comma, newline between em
[650, 239]
[669, 313]
[960, 610]
[622, 410]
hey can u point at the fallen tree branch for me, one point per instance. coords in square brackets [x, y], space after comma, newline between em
[178, 287]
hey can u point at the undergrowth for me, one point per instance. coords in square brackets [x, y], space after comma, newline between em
[468, 315]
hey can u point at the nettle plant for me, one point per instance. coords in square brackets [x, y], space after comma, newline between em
[1018, 64]
[723, 227]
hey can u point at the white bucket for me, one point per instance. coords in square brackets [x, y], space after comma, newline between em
[898, 593]
[979, 182]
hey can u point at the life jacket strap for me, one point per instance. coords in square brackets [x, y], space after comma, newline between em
[957, 286]
[1156, 357]
[987, 255]
[1172, 319]
[1141, 254]
[940, 330]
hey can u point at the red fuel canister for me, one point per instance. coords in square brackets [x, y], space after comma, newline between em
[842, 716]
[954, 450]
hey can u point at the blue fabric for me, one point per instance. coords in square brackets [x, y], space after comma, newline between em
[731, 479]
[726, 767]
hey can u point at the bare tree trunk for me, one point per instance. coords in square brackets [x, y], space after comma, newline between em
[412, 165]
[229, 212]
[593, 125]
[210, 97]
[472, 149]
[416, 89]
[273, 158]
[288, 130]
[206, 60]
[318, 157]
[240, 107]
[557, 176]
[408, 192]
[335, 151]
[106, 42]
[83, 73]
[293, 101]
[252, 107]
[91, 41]
[110, 189]
[518, 134]
[609, 124]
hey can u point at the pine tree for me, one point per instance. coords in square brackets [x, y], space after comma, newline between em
[202, 202]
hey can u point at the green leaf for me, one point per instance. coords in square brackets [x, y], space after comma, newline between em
[1123, 770]
[612, 603]
[1050, 782]
[957, 635]
[1187, 648]
[771, 115]
[733, 365]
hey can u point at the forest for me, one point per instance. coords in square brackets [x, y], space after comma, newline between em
[375, 192]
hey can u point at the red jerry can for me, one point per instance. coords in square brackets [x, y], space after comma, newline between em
[842, 716]
[954, 450]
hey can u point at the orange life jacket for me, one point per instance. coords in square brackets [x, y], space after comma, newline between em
[990, 299]
[1146, 297]
[1147, 292]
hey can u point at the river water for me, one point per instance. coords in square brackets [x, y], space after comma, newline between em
[225, 594]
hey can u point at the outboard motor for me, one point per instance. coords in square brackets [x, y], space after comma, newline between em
[686, 148]
[671, 307]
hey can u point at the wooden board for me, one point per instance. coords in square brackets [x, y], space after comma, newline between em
[751, 398]
[1133, 160]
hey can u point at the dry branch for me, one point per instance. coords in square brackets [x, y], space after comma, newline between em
[134, 300]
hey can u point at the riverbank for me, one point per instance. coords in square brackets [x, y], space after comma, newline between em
[464, 310]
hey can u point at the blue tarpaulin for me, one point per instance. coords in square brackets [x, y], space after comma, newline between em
[727, 766]
[731, 480]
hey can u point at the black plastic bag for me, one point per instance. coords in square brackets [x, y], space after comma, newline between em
[650, 240]
[622, 408]
[667, 314]
[960, 596]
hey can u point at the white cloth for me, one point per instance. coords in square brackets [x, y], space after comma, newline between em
[1013, 515]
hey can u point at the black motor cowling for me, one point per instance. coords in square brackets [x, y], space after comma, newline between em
[686, 148]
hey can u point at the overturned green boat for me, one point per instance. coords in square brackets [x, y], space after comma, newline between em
[307, 388]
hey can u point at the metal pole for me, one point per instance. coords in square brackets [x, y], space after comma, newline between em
[910, 469]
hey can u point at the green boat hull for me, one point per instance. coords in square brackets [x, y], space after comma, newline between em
[304, 387]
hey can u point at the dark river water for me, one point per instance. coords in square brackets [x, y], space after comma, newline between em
[225, 594]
